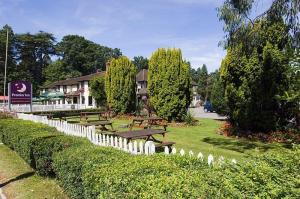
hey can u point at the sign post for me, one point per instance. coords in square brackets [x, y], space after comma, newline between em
[20, 92]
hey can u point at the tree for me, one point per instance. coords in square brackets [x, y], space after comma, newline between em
[251, 83]
[169, 84]
[218, 95]
[140, 62]
[83, 55]
[58, 70]
[203, 82]
[11, 63]
[97, 89]
[237, 18]
[120, 85]
[255, 71]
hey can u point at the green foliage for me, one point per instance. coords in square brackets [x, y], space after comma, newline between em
[97, 89]
[218, 95]
[83, 55]
[120, 85]
[29, 57]
[44, 149]
[203, 82]
[189, 119]
[58, 70]
[290, 98]
[88, 171]
[253, 75]
[169, 84]
[140, 62]
[35, 143]
[238, 18]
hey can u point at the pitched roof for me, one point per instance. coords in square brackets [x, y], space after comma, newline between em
[75, 80]
[142, 75]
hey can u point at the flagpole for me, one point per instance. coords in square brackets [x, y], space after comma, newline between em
[5, 66]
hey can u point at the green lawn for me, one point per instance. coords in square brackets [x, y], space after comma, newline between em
[18, 180]
[204, 138]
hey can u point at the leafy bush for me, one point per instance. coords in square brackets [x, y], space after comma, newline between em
[68, 165]
[5, 115]
[88, 171]
[120, 85]
[169, 84]
[189, 119]
[44, 149]
[35, 143]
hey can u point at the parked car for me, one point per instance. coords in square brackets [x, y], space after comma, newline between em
[207, 106]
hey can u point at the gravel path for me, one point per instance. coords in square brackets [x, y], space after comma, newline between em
[199, 113]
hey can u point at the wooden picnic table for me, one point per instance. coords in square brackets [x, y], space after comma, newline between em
[147, 134]
[100, 125]
[49, 115]
[85, 115]
[151, 121]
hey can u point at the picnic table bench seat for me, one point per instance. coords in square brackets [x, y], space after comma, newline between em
[167, 143]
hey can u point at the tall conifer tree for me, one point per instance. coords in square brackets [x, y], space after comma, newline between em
[120, 85]
[169, 83]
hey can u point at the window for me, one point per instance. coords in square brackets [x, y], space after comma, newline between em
[82, 100]
[74, 100]
[82, 84]
[65, 88]
[90, 101]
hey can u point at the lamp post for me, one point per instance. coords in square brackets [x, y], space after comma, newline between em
[5, 66]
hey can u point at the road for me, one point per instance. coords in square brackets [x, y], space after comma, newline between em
[199, 113]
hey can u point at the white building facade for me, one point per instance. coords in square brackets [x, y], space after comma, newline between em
[74, 91]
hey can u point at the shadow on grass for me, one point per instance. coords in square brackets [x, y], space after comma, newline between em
[242, 145]
[20, 177]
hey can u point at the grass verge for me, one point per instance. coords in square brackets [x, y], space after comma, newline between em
[18, 180]
[205, 139]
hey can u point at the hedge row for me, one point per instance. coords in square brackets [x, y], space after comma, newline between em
[66, 113]
[87, 171]
[35, 143]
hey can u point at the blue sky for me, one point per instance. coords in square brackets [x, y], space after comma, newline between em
[137, 27]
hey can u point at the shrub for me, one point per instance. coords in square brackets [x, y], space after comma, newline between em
[43, 150]
[169, 86]
[68, 165]
[88, 171]
[35, 143]
[189, 119]
[120, 85]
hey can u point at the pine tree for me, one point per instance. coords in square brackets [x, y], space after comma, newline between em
[169, 84]
[120, 85]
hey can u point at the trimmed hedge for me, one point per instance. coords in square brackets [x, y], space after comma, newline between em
[35, 143]
[67, 113]
[88, 171]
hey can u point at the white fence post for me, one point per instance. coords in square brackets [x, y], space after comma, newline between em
[90, 133]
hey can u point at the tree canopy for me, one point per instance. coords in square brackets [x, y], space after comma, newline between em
[120, 85]
[97, 89]
[140, 62]
[39, 59]
[169, 83]
[256, 70]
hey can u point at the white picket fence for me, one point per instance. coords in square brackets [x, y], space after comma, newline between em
[123, 144]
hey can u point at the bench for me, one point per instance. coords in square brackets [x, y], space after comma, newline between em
[168, 144]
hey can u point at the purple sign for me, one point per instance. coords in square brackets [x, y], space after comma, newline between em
[20, 92]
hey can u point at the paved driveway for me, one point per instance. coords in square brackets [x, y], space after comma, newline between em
[199, 113]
